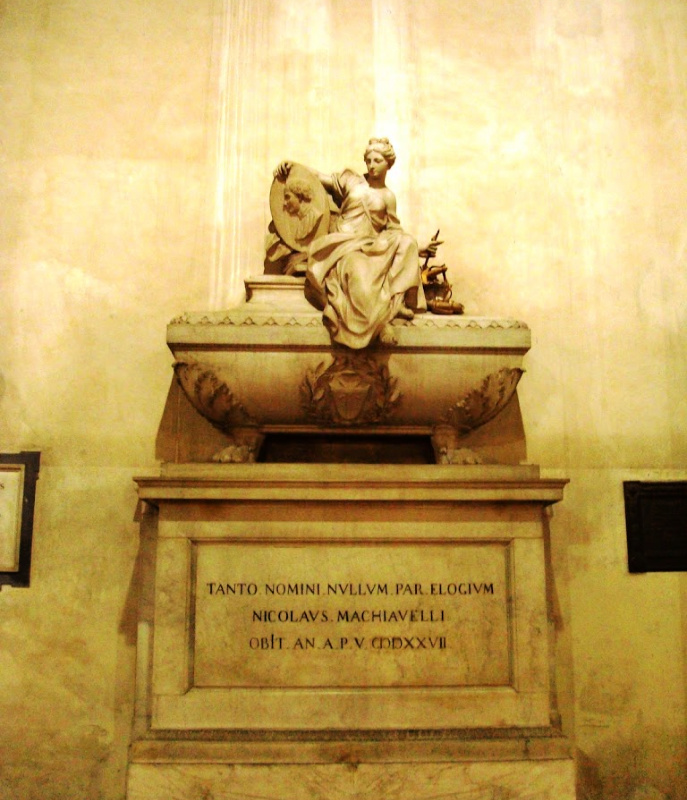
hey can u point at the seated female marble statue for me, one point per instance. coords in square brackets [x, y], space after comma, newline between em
[365, 272]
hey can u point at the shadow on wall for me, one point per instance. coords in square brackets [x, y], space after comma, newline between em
[619, 783]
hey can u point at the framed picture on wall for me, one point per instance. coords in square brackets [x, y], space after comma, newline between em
[656, 524]
[18, 476]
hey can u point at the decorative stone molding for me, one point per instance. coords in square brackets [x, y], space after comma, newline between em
[260, 317]
[463, 323]
[254, 319]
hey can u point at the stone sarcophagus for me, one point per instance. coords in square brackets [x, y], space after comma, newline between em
[269, 367]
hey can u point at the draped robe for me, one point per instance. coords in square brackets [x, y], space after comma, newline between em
[362, 272]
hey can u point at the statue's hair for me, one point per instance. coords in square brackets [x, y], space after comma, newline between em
[300, 188]
[384, 147]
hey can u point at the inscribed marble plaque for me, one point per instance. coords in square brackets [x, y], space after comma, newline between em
[344, 615]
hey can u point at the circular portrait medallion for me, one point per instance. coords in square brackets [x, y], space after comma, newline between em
[300, 208]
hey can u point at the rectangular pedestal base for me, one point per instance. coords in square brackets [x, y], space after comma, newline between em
[348, 632]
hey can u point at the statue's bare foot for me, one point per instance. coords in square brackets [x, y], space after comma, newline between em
[405, 313]
[387, 335]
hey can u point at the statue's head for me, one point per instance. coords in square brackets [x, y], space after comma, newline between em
[384, 147]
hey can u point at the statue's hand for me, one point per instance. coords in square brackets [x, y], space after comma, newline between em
[430, 249]
[282, 171]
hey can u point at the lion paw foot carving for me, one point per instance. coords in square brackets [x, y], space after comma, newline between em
[236, 454]
[462, 455]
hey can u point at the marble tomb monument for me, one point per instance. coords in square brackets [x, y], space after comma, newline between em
[346, 586]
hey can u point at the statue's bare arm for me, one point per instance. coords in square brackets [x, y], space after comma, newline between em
[282, 172]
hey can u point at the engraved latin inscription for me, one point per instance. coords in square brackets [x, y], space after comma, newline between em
[344, 615]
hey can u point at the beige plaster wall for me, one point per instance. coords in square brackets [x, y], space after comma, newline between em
[546, 139]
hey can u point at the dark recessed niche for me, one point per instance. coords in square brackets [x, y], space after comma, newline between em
[656, 524]
[341, 449]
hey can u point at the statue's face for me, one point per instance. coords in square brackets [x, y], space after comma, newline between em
[376, 164]
[291, 203]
